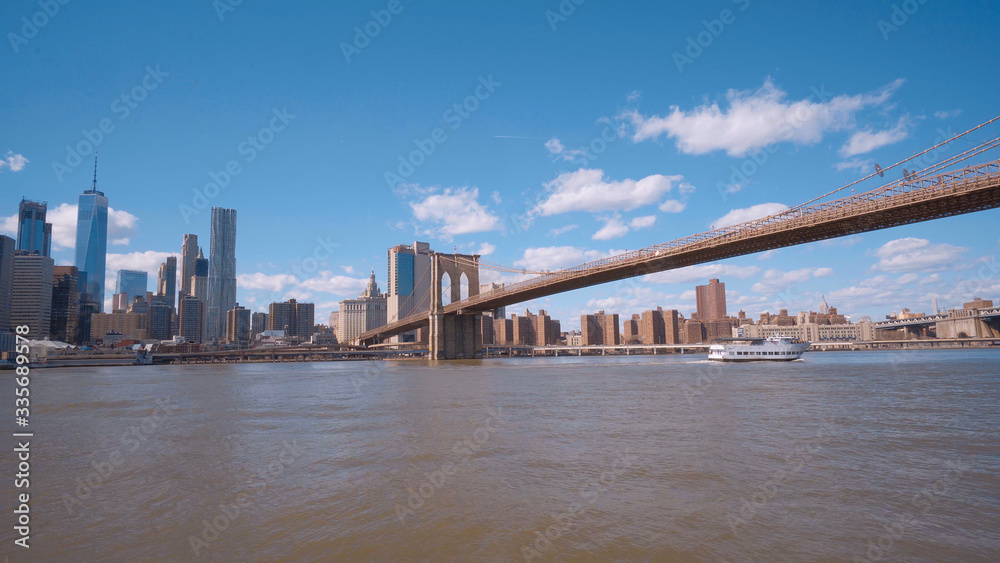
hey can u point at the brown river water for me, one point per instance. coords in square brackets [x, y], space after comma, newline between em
[874, 456]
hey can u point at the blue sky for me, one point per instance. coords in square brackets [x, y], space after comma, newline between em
[581, 130]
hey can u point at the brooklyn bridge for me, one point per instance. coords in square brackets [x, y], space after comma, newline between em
[956, 185]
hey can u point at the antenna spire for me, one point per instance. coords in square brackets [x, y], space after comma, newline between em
[95, 171]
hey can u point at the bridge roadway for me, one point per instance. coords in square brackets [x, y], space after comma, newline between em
[903, 202]
[932, 319]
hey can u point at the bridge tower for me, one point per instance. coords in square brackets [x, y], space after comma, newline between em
[455, 335]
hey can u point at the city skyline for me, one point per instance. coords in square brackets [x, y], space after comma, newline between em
[522, 178]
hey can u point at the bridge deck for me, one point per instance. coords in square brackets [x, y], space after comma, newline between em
[973, 188]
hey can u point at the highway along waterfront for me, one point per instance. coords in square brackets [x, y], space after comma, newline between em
[852, 456]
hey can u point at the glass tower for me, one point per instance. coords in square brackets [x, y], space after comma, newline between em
[132, 282]
[33, 233]
[221, 270]
[92, 243]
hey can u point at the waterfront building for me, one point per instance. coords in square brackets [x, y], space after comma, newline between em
[65, 304]
[812, 332]
[503, 331]
[33, 233]
[711, 300]
[296, 319]
[600, 329]
[258, 324]
[659, 327]
[92, 246]
[221, 270]
[31, 296]
[630, 330]
[131, 282]
[191, 318]
[7, 248]
[693, 332]
[408, 284]
[166, 280]
[238, 326]
[365, 313]
[189, 253]
[130, 325]
[161, 319]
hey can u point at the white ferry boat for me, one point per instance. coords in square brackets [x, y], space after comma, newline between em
[771, 349]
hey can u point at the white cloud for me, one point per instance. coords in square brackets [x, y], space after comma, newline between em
[587, 190]
[947, 114]
[777, 280]
[550, 258]
[642, 222]
[634, 95]
[755, 119]
[916, 255]
[328, 282]
[15, 162]
[557, 149]
[486, 249]
[122, 225]
[274, 282]
[737, 216]
[702, 273]
[455, 211]
[865, 141]
[554, 232]
[613, 228]
[672, 206]
[861, 165]
[348, 269]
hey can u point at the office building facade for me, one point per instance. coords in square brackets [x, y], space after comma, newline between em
[31, 296]
[131, 282]
[7, 248]
[191, 319]
[166, 280]
[711, 301]
[65, 304]
[408, 286]
[92, 244]
[189, 253]
[33, 233]
[238, 326]
[359, 315]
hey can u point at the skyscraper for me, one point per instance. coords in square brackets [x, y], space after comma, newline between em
[92, 243]
[33, 233]
[6, 280]
[65, 304]
[31, 297]
[221, 270]
[132, 282]
[362, 314]
[189, 253]
[192, 318]
[409, 284]
[238, 325]
[711, 300]
[166, 280]
[296, 319]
